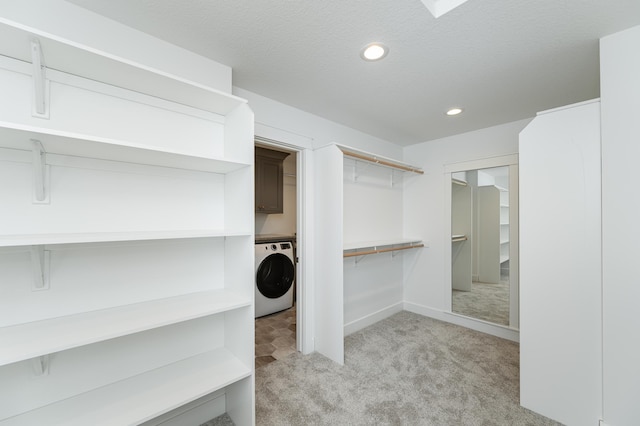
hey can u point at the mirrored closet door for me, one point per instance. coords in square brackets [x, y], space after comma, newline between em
[483, 272]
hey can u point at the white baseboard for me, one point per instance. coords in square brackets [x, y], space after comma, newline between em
[371, 319]
[478, 325]
[194, 413]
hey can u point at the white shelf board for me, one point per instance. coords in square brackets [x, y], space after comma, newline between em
[77, 59]
[33, 339]
[18, 136]
[144, 397]
[504, 258]
[379, 243]
[96, 237]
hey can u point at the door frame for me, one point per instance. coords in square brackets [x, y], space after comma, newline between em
[304, 290]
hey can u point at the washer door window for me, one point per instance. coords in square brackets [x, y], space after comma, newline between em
[275, 275]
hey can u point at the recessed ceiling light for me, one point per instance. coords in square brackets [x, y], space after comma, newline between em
[374, 51]
[454, 111]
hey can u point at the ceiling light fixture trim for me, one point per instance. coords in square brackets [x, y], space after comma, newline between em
[374, 52]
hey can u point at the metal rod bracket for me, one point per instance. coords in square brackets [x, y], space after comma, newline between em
[40, 173]
[40, 100]
[40, 365]
[40, 263]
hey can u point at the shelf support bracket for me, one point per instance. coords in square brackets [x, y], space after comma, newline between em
[40, 365]
[40, 84]
[358, 259]
[40, 261]
[40, 172]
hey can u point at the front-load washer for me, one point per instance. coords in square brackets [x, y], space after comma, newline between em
[275, 276]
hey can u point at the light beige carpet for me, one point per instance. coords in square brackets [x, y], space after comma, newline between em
[404, 370]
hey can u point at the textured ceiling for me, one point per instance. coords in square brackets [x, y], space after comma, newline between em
[500, 60]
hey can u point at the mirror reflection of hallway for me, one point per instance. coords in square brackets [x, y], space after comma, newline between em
[480, 244]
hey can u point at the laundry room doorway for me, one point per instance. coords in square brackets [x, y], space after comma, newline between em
[278, 332]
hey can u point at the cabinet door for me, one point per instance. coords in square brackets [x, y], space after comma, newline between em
[269, 180]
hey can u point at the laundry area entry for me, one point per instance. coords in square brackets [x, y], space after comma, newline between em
[275, 253]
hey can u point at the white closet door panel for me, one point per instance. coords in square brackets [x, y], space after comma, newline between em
[84, 200]
[82, 369]
[83, 277]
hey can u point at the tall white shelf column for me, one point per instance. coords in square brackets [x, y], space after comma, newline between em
[493, 232]
[359, 242]
[560, 284]
[126, 240]
[461, 235]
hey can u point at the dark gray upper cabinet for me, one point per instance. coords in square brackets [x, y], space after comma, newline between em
[269, 180]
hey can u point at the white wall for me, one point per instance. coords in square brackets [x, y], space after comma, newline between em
[372, 212]
[620, 100]
[425, 289]
[285, 222]
[275, 120]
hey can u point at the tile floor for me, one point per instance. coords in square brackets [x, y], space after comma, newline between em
[275, 336]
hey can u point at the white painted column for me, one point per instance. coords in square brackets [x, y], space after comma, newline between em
[620, 86]
[560, 265]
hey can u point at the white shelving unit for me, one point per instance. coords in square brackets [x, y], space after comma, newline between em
[493, 234]
[504, 226]
[39, 338]
[126, 238]
[461, 231]
[78, 238]
[21, 137]
[359, 238]
[144, 397]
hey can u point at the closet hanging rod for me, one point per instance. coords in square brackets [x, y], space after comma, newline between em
[459, 182]
[383, 162]
[384, 250]
[456, 238]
